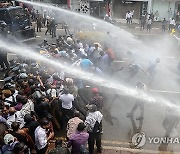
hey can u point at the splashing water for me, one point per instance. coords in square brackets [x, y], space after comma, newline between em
[125, 42]
[118, 87]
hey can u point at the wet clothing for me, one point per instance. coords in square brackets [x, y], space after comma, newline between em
[85, 64]
[133, 70]
[103, 63]
[98, 72]
[67, 100]
[151, 71]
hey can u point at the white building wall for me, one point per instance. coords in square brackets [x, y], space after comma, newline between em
[75, 5]
[164, 7]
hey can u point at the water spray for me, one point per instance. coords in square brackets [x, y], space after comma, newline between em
[117, 86]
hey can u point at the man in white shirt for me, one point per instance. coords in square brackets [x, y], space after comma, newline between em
[172, 24]
[14, 116]
[41, 138]
[128, 17]
[27, 106]
[67, 106]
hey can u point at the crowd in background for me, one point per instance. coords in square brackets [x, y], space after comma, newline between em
[38, 100]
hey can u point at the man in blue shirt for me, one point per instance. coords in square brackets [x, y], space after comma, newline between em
[85, 63]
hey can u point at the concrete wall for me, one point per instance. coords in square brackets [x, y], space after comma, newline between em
[164, 7]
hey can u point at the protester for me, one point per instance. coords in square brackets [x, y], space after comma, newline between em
[172, 24]
[164, 23]
[41, 138]
[128, 17]
[67, 106]
[78, 140]
[141, 88]
[151, 70]
[73, 124]
[142, 22]
[97, 99]
[93, 123]
[149, 24]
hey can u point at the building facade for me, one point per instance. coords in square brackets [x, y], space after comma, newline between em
[159, 8]
[164, 9]
[96, 8]
[120, 7]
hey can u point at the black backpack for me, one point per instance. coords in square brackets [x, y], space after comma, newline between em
[97, 127]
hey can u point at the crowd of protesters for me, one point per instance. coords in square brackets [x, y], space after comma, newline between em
[37, 100]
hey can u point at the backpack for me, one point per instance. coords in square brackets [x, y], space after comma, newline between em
[49, 95]
[97, 127]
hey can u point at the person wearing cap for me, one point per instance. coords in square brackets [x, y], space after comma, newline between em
[41, 138]
[96, 99]
[79, 139]
[73, 124]
[93, 123]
